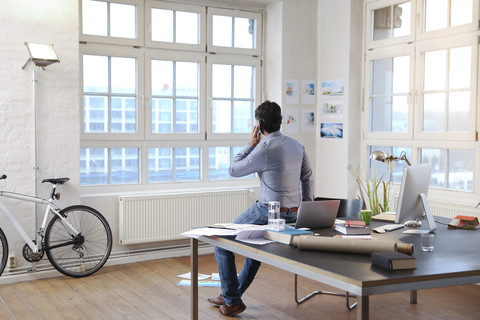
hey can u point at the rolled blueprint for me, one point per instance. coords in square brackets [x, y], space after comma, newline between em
[343, 245]
[406, 248]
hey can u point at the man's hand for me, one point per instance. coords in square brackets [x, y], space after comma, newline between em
[255, 136]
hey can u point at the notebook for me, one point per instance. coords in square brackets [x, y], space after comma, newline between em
[317, 214]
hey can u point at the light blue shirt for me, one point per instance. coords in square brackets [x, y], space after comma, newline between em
[282, 166]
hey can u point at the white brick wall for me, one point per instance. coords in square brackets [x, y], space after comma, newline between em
[58, 99]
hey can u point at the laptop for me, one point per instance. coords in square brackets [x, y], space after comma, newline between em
[317, 214]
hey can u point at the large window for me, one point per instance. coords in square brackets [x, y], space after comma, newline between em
[165, 98]
[420, 87]
[110, 93]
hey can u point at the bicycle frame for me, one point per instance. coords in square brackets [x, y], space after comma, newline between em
[51, 208]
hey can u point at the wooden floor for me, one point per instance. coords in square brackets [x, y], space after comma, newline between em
[148, 290]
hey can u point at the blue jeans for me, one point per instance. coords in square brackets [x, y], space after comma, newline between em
[232, 286]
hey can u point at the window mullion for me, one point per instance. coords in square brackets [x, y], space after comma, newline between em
[447, 85]
[174, 17]
[233, 32]
[110, 97]
[232, 101]
[108, 19]
[109, 161]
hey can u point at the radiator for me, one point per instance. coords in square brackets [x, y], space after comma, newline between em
[451, 211]
[151, 218]
[443, 209]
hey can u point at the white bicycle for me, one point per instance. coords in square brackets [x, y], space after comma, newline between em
[77, 239]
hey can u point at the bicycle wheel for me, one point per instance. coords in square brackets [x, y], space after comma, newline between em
[3, 251]
[83, 254]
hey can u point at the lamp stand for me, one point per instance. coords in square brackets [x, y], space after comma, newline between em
[35, 154]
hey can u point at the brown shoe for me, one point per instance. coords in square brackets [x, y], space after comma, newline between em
[218, 301]
[228, 311]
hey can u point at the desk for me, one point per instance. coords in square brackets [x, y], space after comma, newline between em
[455, 261]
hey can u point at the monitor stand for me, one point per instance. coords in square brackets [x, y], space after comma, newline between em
[432, 226]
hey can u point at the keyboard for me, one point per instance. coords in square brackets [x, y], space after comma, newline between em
[415, 231]
[384, 217]
[387, 228]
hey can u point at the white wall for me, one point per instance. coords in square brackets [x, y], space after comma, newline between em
[340, 57]
[273, 57]
[291, 54]
[54, 22]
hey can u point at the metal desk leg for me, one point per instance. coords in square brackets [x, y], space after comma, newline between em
[413, 296]
[311, 294]
[362, 307]
[194, 277]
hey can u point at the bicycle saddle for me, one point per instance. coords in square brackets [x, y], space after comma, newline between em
[56, 180]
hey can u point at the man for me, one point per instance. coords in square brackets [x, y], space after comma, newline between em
[285, 175]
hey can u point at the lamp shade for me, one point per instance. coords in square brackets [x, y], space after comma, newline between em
[41, 55]
[379, 155]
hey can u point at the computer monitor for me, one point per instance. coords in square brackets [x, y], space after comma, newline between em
[415, 182]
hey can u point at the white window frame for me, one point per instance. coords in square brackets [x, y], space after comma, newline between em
[114, 51]
[143, 139]
[238, 61]
[371, 7]
[138, 41]
[200, 10]
[466, 35]
[236, 14]
[175, 56]
[421, 34]
[446, 43]
[391, 52]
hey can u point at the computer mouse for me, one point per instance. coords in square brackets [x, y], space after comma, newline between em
[412, 223]
[378, 230]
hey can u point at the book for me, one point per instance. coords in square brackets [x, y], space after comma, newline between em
[393, 260]
[354, 223]
[463, 222]
[340, 227]
[356, 237]
[286, 236]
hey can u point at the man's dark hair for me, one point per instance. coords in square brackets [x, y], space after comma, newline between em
[269, 115]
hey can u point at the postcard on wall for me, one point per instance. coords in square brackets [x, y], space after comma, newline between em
[333, 87]
[308, 121]
[290, 121]
[291, 92]
[332, 109]
[331, 130]
[308, 92]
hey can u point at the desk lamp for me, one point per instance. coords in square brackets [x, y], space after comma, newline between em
[382, 156]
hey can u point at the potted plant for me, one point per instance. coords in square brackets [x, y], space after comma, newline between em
[377, 199]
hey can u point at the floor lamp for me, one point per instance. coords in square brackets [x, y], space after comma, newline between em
[41, 55]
